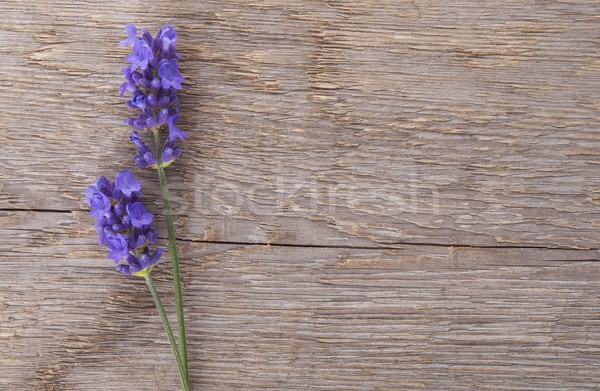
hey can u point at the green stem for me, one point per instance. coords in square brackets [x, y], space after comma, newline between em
[173, 250]
[167, 325]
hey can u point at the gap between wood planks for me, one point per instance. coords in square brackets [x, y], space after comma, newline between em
[387, 246]
[308, 245]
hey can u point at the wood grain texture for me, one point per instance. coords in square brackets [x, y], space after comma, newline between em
[377, 195]
[278, 317]
[353, 123]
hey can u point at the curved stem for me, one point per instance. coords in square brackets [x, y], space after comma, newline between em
[173, 250]
[167, 326]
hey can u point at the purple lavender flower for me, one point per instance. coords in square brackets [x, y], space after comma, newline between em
[139, 216]
[127, 183]
[131, 36]
[123, 224]
[167, 36]
[153, 78]
[106, 187]
[174, 131]
[145, 261]
[137, 100]
[141, 55]
[170, 152]
[100, 204]
[129, 84]
[117, 245]
[162, 116]
[168, 71]
[145, 157]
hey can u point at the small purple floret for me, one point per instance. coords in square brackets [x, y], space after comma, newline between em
[144, 262]
[170, 152]
[174, 131]
[145, 157]
[137, 100]
[139, 216]
[168, 71]
[117, 245]
[127, 183]
[168, 37]
[141, 55]
[100, 205]
[131, 36]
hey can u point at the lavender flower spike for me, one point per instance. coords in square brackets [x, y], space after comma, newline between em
[123, 224]
[153, 79]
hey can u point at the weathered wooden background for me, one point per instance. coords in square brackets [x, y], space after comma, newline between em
[377, 195]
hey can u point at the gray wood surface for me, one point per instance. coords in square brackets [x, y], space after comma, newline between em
[377, 195]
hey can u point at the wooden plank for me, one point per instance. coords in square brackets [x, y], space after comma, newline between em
[278, 317]
[360, 126]
[325, 123]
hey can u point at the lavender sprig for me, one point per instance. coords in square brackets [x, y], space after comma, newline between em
[122, 222]
[125, 227]
[153, 79]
